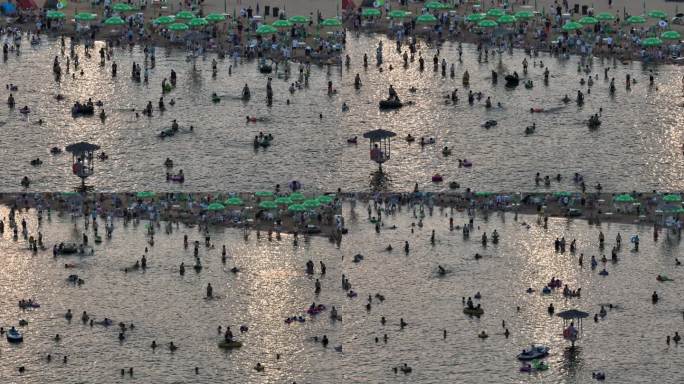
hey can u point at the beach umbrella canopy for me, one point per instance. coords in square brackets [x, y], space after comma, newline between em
[178, 27]
[122, 7]
[215, 207]
[215, 17]
[588, 20]
[624, 198]
[370, 12]
[283, 200]
[198, 22]
[266, 30]
[475, 17]
[297, 196]
[268, 204]
[487, 24]
[562, 194]
[434, 5]
[233, 201]
[55, 15]
[281, 24]
[164, 20]
[496, 12]
[331, 23]
[144, 195]
[572, 314]
[605, 16]
[506, 19]
[483, 194]
[399, 14]
[524, 15]
[677, 210]
[263, 194]
[296, 208]
[671, 35]
[325, 199]
[657, 14]
[299, 19]
[651, 42]
[85, 16]
[672, 198]
[311, 204]
[426, 19]
[572, 26]
[185, 15]
[114, 21]
[636, 20]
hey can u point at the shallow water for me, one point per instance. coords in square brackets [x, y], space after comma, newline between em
[629, 344]
[637, 146]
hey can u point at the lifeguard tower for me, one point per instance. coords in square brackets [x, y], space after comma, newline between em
[380, 145]
[82, 160]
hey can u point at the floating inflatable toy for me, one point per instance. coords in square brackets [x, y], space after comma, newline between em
[437, 178]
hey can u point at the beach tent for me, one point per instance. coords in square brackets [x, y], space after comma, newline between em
[27, 4]
[8, 9]
[348, 5]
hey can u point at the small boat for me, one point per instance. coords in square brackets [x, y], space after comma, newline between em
[473, 311]
[14, 336]
[489, 123]
[467, 163]
[225, 344]
[663, 278]
[535, 352]
[390, 104]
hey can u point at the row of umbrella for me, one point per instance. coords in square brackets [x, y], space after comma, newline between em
[295, 202]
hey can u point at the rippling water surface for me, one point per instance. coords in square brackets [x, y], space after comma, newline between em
[637, 147]
[629, 344]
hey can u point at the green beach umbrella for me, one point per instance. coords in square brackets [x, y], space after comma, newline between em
[215, 207]
[69, 194]
[671, 35]
[268, 204]
[506, 19]
[370, 12]
[636, 20]
[624, 198]
[605, 16]
[331, 23]
[296, 208]
[185, 15]
[562, 194]
[176, 27]
[379, 3]
[651, 42]
[164, 20]
[85, 16]
[588, 20]
[426, 19]
[299, 19]
[311, 204]
[325, 199]
[122, 7]
[433, 5]
[114, 21]
[572, 26]
[475, 17]
[495, 12]
[233, 201]
[263, 194]
[657, 14]
[297, 196]
[524, 15]
[281, 24]
[215, 17]
[677, 210]
[282, 200]
[672, 198]
[266, 30]
[144, 195]
[198, 22]
[399, 14]
[487, 24]
[55, 15]
[483, 194]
